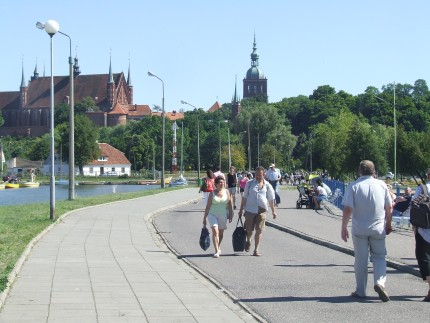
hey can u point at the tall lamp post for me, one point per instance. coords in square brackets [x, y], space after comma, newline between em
[229, 149]
[395, 129]
[198, 140]
[219, 133]
[163, 131]
[51, 27]
[249, 148]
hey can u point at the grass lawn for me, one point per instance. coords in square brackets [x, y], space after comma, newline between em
[20, 224]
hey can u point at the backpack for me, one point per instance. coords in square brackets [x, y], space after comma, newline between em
[420, 209]
[204, 186]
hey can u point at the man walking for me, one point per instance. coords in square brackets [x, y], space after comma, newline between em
[273, 175]
[369, 202]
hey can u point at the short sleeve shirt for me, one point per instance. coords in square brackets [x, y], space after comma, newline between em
[368, 198]
[256, 197]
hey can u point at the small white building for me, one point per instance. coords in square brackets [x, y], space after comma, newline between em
[111, 162]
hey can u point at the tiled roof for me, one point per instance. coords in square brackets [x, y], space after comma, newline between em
[136, 110]
[118, 109]
[215, 107]
[172, 116]
[113, 156]
[9, 99]
[38, 92]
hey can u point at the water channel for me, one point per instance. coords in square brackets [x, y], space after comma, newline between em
[22, 196]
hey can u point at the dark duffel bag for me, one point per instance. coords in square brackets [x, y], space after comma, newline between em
[239, 236]
[205, 240]
[420, 209]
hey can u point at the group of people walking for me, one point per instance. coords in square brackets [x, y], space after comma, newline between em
[257, 197]
[368, 201]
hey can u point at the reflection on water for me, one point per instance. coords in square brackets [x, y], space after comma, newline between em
[41, 194]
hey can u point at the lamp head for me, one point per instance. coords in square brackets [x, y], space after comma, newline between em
[51, 27]
[150, 73]
[183, 102]
[40, 25]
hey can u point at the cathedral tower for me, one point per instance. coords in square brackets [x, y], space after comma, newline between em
[255, 83]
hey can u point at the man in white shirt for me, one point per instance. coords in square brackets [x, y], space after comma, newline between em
[369, 202]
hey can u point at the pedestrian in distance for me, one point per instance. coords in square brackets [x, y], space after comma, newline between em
[273, 175]
[208, 185]
[422, 244]
[402, 202]
[369, 203]
[242, 182]
[232, 184]
[218, 172]
[257, 198]
[218, 210]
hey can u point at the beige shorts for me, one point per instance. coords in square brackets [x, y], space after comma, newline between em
[255, 221]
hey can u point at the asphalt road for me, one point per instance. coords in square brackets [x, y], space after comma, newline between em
[293, 280]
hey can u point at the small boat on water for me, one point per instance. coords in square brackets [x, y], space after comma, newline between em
[12, 185]
[166, 180]
[181, 181]
[149, 182]
[28, 184]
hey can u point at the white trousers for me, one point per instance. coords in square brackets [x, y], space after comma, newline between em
[375, 244]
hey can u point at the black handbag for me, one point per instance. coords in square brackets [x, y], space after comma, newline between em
[420, 210]
[239, 236]
[205, 240]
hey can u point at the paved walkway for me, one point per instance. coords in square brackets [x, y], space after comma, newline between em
[107, 264]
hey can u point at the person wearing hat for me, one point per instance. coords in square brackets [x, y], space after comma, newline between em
[273, 175]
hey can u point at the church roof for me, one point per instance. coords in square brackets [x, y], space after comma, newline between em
[215, 107]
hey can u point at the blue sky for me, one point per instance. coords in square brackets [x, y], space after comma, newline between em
[198, 47]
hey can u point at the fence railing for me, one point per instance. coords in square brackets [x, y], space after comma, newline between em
[338, 191]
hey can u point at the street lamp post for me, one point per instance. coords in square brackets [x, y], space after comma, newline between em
[163, 130]
[249, 148]
[395, 129]
[71, 117]
[310, 143]
[258, 149]
[182, 149]
[71, 125]
[219, 134]
[51, 27]
[229, 148]
[198, 140]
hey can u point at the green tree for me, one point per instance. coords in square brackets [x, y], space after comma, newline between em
[330, 140]
[86, 135]
[39, 148]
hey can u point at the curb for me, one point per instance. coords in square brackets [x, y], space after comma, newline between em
[214, 282]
